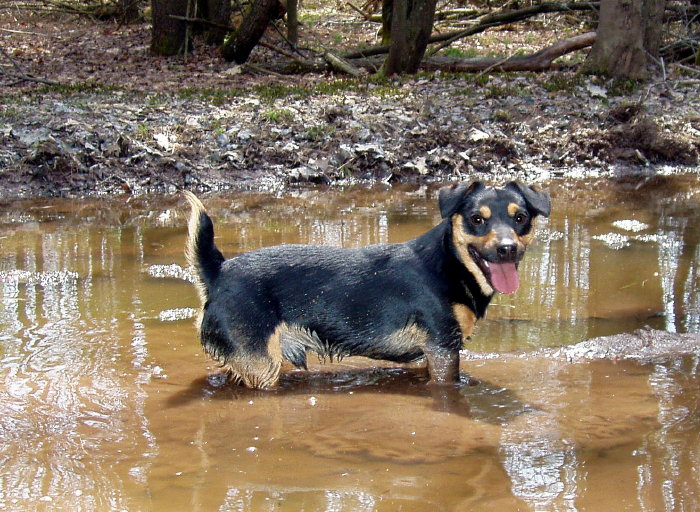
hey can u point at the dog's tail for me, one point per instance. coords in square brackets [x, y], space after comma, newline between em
[200, 250]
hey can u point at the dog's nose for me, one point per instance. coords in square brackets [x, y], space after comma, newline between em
[507, 252]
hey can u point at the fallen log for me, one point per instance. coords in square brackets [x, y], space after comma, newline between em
[342, 65]
[539, 61]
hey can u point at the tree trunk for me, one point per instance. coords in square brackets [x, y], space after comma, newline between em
[129, 10]
[293, 21]
[251, 29]
[629, 36]
[411, 25]
[218, 12]
[169, 35]
[387, 7]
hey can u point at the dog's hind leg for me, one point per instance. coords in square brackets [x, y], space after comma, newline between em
[251, 358]
[260, 369]
[254, 371]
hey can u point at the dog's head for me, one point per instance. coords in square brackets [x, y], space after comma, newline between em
[491, 228]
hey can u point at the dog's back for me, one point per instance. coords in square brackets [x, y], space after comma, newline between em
[275, 303]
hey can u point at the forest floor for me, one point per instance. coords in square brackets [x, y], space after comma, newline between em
[117, 121]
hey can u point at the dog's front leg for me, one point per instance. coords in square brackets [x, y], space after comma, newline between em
[443, 366]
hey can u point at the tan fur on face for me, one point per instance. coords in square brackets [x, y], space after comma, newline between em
[485, 212]
[513, 209]
[462, 240]
[489, 241]
[527, 238]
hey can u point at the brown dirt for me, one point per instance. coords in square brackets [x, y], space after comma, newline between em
[124, 122]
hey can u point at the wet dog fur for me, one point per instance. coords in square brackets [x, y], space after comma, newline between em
[397, 302]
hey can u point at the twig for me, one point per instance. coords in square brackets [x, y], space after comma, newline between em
[11, 31]
[263, 71]
[496, 64]
[286, 39]
[341, 64]
[506, 17]
[21, 75]
[360, 11]
[480, 27]
[689, 69]
[279, 50]
[538, 61]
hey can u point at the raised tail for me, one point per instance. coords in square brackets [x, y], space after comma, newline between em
[200, 250]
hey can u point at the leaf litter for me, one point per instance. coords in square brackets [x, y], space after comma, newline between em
[128, 123]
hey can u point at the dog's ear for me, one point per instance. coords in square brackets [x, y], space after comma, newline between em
[450, 198]
[538, 201]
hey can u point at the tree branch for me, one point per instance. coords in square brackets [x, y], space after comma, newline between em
[489, 21]
[539, 61]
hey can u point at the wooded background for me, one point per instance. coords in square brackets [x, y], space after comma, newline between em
[630, 39]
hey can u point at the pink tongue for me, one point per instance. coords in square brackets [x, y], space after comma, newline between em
[504, 277]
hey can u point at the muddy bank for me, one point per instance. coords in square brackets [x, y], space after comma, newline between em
[330, 131]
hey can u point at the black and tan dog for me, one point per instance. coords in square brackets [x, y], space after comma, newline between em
[397, 302]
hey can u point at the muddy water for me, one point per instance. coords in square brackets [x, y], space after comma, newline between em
[107, 402]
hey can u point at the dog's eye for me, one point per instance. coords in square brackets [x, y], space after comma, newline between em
[477, 220]
[520, 218]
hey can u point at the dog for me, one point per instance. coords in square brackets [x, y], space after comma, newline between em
[396, 302]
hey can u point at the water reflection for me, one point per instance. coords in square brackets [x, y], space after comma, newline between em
[542, 466]
[675, 448]
[72, 405]
[107, 402]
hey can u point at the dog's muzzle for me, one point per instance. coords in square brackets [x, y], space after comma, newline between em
[501, 270]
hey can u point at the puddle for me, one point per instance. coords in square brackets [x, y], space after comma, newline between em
[108, 403]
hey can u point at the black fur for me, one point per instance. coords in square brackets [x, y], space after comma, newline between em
[390, 301]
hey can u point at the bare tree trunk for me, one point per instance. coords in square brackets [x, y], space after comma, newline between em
[251, 29]
[387, 7]
[169, 35]
[411, 25]
[629, 35]
[218, 12]
[293, 21]
[129, 10]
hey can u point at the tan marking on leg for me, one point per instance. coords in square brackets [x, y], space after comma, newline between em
[461, 241]
[513, 209]
[274, 346]
[408, 338]
[259, 371]
[254, 371]
[485, 212]
[465, 318]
